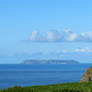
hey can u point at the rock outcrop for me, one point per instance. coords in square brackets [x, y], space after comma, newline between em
[87, 76]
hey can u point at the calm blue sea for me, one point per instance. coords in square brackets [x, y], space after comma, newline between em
[28, 75]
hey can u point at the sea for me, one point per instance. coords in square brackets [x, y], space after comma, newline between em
[31, 75]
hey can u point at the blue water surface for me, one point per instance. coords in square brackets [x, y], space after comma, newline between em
[28, 75]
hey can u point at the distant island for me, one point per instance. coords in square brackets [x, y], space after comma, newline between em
[50, 62]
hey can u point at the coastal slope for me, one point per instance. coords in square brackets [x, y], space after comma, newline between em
[66, 87]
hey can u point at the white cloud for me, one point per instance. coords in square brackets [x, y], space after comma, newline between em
[77, 50]
[52, 36]
[86, 49]
[55, 36]
[87, 36]
[72, 37]
[36, 36]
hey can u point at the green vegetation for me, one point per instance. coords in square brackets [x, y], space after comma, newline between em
[67, 87]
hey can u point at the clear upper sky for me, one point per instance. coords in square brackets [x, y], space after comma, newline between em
[19, 18]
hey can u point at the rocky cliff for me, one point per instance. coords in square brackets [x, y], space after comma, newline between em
[87, 75]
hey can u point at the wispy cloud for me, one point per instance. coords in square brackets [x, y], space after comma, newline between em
[64, 36]
[77, 50]
[82, 50]
[80, 54]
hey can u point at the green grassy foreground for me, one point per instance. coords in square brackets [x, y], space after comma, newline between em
[67, 87]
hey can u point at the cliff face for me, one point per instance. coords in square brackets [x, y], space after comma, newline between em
[50, 62]
[87, 76]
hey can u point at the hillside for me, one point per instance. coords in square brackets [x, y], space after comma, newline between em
[67, 87]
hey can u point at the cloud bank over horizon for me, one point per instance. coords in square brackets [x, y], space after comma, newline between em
[64, 36]
[81, 54]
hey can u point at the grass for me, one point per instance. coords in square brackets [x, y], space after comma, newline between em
[67, 87]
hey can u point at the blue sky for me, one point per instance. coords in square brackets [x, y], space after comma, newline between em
[20, 18]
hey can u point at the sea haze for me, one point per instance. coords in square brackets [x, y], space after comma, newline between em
[28, 75]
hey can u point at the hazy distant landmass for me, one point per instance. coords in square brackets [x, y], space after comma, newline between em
[50, 62]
